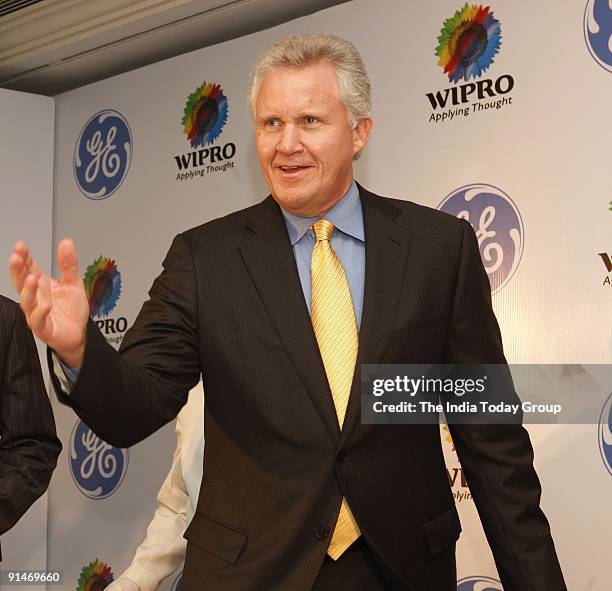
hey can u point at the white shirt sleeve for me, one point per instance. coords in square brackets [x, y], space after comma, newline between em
[163, 549]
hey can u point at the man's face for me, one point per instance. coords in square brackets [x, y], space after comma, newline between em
[304, 142]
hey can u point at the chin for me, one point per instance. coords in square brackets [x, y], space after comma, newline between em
[294, 201]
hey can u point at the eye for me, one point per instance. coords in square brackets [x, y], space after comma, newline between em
[271, 123]
[311, 120]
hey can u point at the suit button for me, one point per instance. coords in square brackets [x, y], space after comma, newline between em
[321, 532]
[341, 457]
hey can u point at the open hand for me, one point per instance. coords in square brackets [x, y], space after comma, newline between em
[56, 311]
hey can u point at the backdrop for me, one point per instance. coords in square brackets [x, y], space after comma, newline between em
[26, 169]
[513, 135]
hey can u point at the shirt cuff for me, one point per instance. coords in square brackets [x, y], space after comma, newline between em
[66, 376]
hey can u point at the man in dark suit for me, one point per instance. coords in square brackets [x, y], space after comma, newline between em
[278, 306]
[28, 445]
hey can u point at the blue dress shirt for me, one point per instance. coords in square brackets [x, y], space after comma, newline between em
[348, 242]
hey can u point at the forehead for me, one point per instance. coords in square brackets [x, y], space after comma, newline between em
[295, 88]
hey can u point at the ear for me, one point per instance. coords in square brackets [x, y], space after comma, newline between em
[361, 134]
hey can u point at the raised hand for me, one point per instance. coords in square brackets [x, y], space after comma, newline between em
[56, 311]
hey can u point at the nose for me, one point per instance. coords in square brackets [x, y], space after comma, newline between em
[289, 141]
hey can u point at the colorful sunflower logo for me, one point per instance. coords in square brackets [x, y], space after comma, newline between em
[205, 114]
[102, 285]
[468, 42]
[95, 577]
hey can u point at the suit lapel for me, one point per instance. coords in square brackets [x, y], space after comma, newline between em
[387, 246]
[269, 258]
[268, 255]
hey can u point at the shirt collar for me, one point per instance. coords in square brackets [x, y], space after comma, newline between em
[346, 216]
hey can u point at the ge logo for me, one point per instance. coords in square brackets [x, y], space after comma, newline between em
[102, 154]
[97, 468]
[498, 226]
[605, 434]
[598, 31]
[479, 584]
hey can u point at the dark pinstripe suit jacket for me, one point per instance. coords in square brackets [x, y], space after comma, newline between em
[28, 445]
[229, 304]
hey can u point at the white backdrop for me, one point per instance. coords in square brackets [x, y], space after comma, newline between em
[546, 150]
[26, 169]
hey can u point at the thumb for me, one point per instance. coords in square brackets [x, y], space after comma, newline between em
[67, 262]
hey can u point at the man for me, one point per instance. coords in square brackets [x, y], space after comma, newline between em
[319, 278]
[163, 549]
[28, 445]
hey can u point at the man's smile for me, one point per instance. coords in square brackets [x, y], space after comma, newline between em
[293, 171]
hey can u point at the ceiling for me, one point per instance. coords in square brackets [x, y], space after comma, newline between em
[51, 46]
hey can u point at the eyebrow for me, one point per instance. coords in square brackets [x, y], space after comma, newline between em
[310, 113]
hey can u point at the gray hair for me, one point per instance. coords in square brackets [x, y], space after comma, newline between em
[302, 50]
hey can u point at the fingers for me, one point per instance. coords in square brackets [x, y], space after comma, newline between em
[21, 265]
[67, 262]
[36, 304]
[43, 293]
[38, 316]
[34, 311]
[21, 249]
[17, 275]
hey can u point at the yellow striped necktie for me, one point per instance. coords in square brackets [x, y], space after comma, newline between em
[333, 320]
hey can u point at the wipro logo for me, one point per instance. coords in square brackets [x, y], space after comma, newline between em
[97, 575]
[205, 114]
[103, 286]
[204, 117]
[468, 42]
[607, 261]
[467, 46]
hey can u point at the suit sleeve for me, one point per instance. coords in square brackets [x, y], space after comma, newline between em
[124, 397]
[498, 459]
[28, 444]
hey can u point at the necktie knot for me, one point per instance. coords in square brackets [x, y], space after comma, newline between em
[323, 230]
